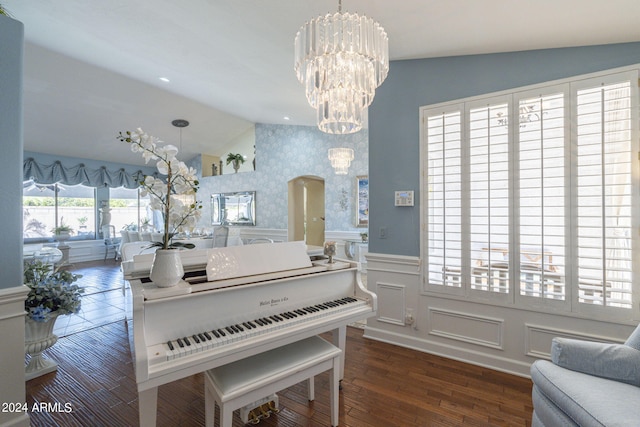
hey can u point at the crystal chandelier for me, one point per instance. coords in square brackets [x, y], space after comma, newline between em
[341, 159]
[341, 59]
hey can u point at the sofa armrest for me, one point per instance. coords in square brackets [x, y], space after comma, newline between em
[617, 362]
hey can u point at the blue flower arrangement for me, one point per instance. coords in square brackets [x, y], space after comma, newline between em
[51, 291]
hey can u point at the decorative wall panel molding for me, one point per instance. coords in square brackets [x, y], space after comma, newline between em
[538, 339]
[391, 303]
[393, 264]
[466, 327]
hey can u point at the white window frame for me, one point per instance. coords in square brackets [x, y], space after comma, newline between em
[569, 305]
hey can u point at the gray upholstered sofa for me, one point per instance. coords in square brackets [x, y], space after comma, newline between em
[588, 384]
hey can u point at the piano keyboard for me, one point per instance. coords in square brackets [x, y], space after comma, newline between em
[220, 337]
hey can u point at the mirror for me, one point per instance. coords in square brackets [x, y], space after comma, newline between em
[233, 208]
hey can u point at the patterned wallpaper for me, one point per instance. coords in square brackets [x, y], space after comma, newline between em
[283, 153]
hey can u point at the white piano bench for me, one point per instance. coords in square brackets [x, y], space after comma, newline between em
[247, 380]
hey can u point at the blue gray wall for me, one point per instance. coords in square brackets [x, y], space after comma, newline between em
[394, 119]
[11, 51]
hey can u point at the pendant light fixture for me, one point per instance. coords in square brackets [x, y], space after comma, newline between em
[185, 199]
[341, 59]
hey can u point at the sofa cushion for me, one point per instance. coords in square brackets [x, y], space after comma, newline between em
[634, 339]
[585, 399]
[613, 361]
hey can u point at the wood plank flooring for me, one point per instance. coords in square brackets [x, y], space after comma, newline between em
[384, 386]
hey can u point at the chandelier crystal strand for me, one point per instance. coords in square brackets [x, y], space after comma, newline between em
[341, 59]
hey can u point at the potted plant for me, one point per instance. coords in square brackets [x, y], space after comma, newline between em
[52, 292]
[166, 268]
[83, 222]
[236, 160]
[130, 227]
[62, 231]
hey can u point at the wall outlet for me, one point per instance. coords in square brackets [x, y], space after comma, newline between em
[408, 317]
[382, 233]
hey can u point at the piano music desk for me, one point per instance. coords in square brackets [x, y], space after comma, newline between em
[240, 383]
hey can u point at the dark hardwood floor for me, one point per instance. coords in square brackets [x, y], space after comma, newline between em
[384, 386]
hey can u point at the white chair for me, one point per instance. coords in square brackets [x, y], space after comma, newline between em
[134, 236]
[220, 236]
[248, 380]
[111, 241]
[145, 236]
[130, 249]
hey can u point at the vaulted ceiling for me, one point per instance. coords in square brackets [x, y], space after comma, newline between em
[94, 68]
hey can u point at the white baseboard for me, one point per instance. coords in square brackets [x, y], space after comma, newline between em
[478, 358]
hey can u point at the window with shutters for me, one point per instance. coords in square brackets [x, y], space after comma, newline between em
[529, 196]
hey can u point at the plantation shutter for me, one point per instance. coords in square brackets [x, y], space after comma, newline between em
[444, 195]
[542, 192]
[489, 197]
[604, 190]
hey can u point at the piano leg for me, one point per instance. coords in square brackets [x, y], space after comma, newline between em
[339, 338]
[147, 406]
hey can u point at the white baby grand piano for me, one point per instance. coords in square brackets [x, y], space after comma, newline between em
[236, 302]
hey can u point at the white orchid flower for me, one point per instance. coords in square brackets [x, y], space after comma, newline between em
[184, 180]
[167, 152]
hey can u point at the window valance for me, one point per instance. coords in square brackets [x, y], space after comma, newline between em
[79, 174]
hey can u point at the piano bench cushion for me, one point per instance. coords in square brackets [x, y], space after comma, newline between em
[245, 375]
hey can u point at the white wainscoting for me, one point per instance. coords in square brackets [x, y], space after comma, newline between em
[465, 327]
[498, 337]
[12, 354]
[538, 339]
[394, 308]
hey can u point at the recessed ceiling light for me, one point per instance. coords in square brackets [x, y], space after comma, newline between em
[286, 118]
[164, 79]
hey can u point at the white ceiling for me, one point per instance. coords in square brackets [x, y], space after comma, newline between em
[92, 68]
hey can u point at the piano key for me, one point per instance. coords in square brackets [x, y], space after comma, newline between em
[236, 332]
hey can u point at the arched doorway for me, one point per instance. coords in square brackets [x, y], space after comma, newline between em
[306, 210]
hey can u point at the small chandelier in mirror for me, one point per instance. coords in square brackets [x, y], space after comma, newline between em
[341, 59]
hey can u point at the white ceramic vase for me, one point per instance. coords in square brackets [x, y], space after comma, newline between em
[166, 270]
[38, 336]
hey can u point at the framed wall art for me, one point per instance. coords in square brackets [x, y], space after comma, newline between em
[362, 201]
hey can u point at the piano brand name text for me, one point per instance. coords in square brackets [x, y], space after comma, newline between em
[273, 301]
